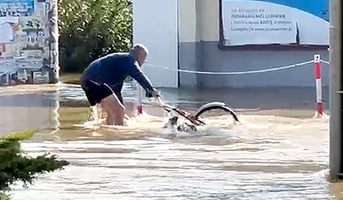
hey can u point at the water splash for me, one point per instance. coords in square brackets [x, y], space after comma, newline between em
[262, 157]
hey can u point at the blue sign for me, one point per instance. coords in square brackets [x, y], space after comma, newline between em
[16, 8]
[319, 8]
[263, 22]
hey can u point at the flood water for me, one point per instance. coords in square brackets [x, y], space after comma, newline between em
[277, 151]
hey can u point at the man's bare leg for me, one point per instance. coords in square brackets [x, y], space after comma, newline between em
[115, 110]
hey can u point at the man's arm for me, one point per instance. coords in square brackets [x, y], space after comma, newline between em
[136, 73]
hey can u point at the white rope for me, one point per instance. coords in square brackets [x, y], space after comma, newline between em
[235, 73]
[325, 62]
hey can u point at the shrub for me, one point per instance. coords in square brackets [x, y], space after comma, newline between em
[89, 29]
[16, 166]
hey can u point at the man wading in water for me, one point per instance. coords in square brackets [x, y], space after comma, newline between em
[103, 79]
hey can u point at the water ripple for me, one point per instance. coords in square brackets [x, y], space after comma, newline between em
[263, 157]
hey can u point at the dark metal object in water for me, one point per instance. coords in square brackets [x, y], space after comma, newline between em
[214, 106]
[194, 118]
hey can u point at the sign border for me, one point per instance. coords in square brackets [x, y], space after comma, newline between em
[222, 46]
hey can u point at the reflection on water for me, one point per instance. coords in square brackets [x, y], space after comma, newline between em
[28, 111]
[263, 157]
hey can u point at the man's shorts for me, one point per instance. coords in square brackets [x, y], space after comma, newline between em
[95, 91]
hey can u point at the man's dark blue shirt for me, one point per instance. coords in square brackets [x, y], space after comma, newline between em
[113, 69]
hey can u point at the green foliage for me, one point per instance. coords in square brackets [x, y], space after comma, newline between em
[17, 136]
[16, 166]
[89, 29]
[4, 196]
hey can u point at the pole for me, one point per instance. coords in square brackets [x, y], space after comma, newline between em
[318, 77]
[335, 160]
[139, 99]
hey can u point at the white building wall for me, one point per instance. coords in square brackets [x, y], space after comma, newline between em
[155, 24]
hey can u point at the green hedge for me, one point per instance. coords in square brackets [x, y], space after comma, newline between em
[89, 29]
[16, 166]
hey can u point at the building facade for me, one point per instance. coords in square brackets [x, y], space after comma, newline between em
[240, 36]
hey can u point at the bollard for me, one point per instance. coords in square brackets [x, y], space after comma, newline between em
[139, 99]
[317, 73]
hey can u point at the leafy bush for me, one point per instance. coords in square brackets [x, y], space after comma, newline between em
[15, 166]
[89, 29]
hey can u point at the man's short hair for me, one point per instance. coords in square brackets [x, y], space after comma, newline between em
[139, 47]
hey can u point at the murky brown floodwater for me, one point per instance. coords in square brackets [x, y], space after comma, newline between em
[271, 154]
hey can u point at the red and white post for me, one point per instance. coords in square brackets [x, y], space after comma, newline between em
[139, 99]
[318, 77]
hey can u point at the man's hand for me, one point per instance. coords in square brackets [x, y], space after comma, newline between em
[153, 93]
[156, 94]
